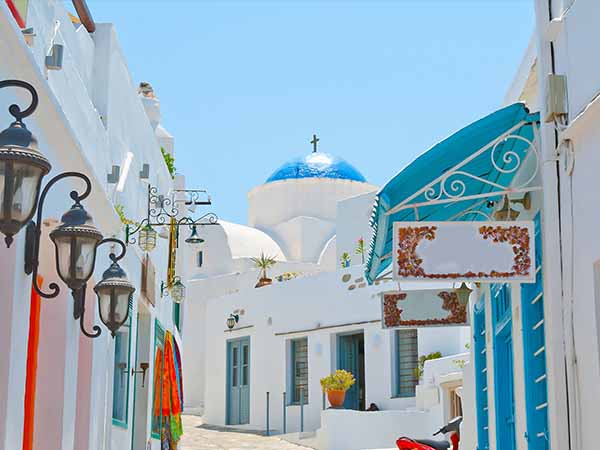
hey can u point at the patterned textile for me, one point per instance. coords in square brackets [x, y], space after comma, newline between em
[170, 408]
[179, 373]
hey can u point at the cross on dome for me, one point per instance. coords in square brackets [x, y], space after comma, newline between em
[314, 141]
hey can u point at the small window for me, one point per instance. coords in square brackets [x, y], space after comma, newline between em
[455, 404]
[299, 370]
[407, 360]
[177, 315]
[121, 374]
[199, 259]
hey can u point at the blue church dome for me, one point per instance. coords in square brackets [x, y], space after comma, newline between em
[317, 165]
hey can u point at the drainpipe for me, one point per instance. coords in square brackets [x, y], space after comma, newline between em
[556, 319]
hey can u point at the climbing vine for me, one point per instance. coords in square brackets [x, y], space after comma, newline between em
[169, 161]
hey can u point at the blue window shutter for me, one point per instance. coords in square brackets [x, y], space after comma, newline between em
[407, 360]
[534, 353]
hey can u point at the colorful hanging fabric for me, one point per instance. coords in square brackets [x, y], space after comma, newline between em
[172, 429]
[158, 377]
[179, 374]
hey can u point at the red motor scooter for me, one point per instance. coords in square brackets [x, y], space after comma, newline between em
[451, 430]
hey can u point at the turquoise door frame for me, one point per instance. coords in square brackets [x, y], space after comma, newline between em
[135, 362]
[238, 381]
[534, 354]
[349, 358]
[503, 367]
[481, 384]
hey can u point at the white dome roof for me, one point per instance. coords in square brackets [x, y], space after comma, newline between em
[248, 242]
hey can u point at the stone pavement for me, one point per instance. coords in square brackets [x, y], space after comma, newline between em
[198, 436]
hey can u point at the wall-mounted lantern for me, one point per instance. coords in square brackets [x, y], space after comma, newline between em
[232, 320]
[76, 239]
[463, 292]
[177, 290]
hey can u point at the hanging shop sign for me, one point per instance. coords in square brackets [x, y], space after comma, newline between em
[464, 251]
[423, 308]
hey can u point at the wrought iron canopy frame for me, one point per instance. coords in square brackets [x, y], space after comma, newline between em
[451, 186]
[163, 210]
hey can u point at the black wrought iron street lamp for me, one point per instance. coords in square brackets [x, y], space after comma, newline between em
[22, 168]
[76, 239]
[164, 211]
[114, 292]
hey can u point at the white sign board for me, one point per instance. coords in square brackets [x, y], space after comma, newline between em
[464, 251]
[426, 308]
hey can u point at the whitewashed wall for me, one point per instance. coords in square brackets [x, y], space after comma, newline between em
[573, 318]
[277, 313]
[89, 117]
[300, 214]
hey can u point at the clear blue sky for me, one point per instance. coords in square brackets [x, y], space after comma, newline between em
[243, 85]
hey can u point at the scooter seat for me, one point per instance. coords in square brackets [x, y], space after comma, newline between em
[437, 445]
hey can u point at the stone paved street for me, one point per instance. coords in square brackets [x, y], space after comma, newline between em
[197, 436]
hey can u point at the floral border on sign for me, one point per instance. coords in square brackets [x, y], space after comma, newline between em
[392, 315]
[409, 262]
[516, 236]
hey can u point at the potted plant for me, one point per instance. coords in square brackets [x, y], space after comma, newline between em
[336, 385]
[360, 249]
[264, 263]
[345, 260]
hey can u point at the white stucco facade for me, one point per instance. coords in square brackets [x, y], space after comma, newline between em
[90, 118]
[307, 224]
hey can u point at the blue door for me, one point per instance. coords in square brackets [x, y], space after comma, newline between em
[351, 357]
[503, 367]
[534, 353]
[238, 381]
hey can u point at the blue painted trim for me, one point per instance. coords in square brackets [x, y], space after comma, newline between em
[159, 335]
[503, 366]
[536, 389]
[480, 357]
[115, 421]
[137, 336]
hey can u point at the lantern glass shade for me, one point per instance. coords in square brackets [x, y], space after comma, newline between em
[75, 256]
[75, 240]
[22, 168]
[114, 292]
[147, 238]
[20, 183]
[178, 291]
[463, 293]
[230, 322]
[113, 302]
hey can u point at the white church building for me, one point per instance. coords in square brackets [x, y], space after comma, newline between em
[318, 315]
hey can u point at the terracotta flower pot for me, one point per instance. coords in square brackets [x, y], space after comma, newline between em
[336, 398]
[264, 282]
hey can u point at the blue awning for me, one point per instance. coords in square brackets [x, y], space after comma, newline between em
[460, 149]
